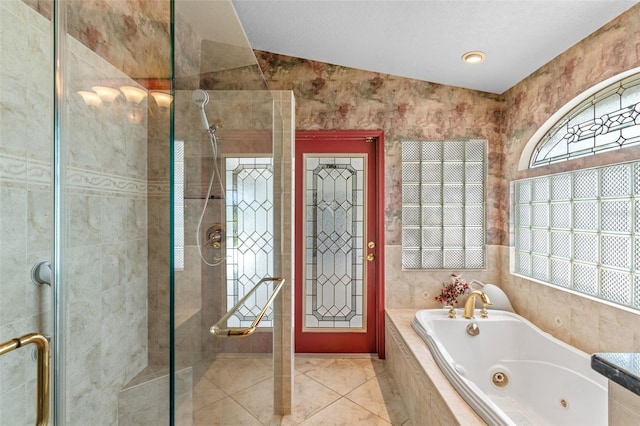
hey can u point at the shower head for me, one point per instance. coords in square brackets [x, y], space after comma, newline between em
[201, 98]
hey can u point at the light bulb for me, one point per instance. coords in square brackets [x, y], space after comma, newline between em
[133, 94]
[90, 98]
[107, 94]
[162, 99]
[474, 57]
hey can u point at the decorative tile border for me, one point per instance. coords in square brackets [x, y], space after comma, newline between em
[158, 188]
[83, 179]
[13, 169]
[20, 170]
[39, 172]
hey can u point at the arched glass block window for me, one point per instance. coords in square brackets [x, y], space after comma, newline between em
[606, 120]
[579, 230]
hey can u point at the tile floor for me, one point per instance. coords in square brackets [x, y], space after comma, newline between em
[329, 390]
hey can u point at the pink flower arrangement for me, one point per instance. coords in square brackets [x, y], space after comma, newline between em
[450, 292]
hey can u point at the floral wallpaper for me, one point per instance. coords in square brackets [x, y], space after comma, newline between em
[131, 35]
[332, 97]
[609, 51]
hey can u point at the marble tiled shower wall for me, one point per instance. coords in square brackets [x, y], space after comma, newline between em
[26, 194]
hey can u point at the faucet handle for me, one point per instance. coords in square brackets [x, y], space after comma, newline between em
[485, 302]
[452, 312]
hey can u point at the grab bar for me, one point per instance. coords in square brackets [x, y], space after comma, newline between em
[42, 344]
[218, 329]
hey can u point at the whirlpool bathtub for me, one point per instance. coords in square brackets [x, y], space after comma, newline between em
[511, 372]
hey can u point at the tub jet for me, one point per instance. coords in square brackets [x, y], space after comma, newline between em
[500, 379]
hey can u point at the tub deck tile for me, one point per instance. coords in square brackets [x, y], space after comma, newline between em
[410, 359]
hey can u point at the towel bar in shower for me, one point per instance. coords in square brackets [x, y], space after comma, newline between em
[220, 329]
[42, 344]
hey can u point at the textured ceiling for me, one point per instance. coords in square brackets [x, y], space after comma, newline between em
[425, 39]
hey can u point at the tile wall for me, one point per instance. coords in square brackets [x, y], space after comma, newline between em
[283, 335]
[26, 192]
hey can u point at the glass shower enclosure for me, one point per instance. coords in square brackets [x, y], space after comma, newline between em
[128, 226]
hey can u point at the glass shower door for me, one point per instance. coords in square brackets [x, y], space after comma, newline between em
[231, 211]
[113, 155]
[82, 176]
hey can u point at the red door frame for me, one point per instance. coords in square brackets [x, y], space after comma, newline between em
[378, 251]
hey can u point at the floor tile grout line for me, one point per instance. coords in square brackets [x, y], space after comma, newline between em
[239, 390]
[375, 368]
[232, 396]
[349, 400]
[333, 390]
[383, 400]
[360, 405]
[326, 387]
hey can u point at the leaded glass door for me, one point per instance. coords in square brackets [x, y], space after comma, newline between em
[336, 242]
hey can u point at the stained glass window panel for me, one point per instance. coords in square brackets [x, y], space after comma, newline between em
[334, 243]
[608, 119]
[250, 235]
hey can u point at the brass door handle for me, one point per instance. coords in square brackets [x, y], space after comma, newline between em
[220, 328]
[371, 257]
[42, 344]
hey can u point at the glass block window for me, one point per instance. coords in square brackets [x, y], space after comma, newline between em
[250, 234]
[609, 119]
[178, 205]
[443, 204]
[578, 230]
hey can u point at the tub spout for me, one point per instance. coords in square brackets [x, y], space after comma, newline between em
[470, 304]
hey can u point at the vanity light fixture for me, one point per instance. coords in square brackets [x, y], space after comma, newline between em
[133, 94]
[474, 57]
[106, 94]
[162, 99]
[90, 98]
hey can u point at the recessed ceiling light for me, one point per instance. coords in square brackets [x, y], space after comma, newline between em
[474, 57]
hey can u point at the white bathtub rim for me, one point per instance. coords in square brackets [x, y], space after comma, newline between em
[469, 391]
[504, 314]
